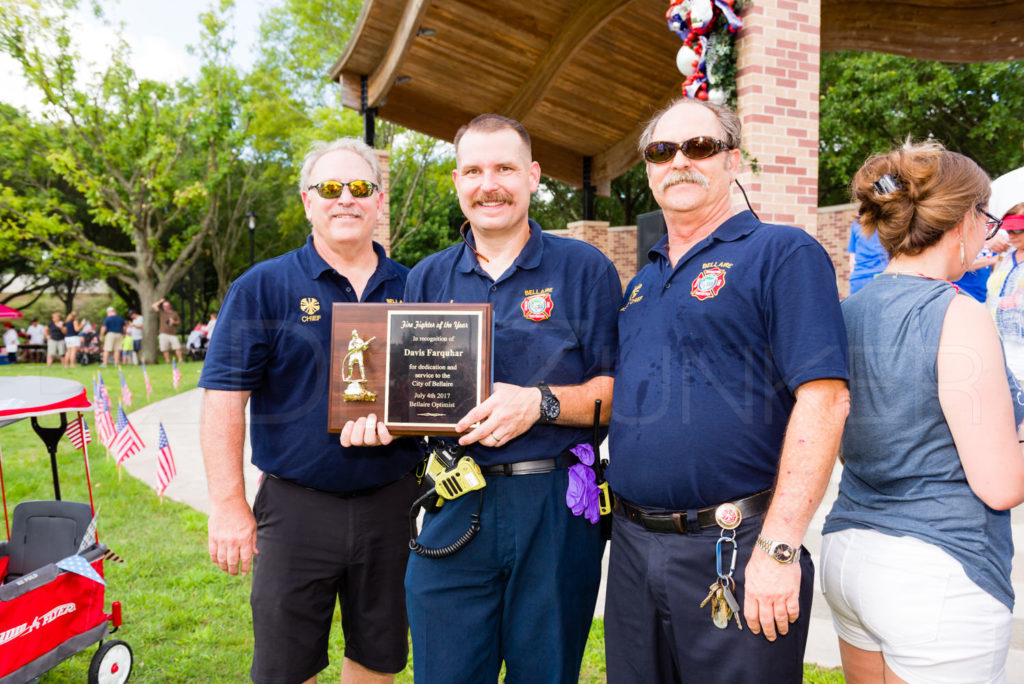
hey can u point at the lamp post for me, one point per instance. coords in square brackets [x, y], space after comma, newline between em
[251, 216]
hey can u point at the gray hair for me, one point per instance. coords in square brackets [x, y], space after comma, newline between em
[728, 120]
[319, 148]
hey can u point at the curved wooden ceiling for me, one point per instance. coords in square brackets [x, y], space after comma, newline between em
[583, 77]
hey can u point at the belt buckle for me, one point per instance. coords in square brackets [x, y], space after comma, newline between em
[680, 520]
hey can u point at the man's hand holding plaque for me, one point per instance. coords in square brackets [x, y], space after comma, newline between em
[366, 431]
[509, 412]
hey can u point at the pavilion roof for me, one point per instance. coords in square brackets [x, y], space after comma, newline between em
[583, 76]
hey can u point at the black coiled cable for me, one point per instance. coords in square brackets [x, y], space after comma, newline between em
[455, 546]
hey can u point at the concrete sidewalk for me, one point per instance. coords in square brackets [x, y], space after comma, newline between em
[180, 416]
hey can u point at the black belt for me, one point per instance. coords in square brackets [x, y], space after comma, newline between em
[675, 521]
[338, 495]
[541, 465]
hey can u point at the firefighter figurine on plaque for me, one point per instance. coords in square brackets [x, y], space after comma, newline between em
[355, 391]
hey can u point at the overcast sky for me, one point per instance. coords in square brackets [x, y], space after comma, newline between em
[158, 33]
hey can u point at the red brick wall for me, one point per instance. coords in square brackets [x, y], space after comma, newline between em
[832, 225]
[382, 234]
[834, 235]
[777, 83]
[622, 251]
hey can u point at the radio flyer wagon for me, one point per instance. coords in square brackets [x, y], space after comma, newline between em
[52, 596]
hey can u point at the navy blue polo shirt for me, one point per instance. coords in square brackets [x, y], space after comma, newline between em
[710, 354]
[274, 338]
[114, 324]
[555, 313]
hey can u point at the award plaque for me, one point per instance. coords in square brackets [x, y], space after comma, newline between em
[417, 367]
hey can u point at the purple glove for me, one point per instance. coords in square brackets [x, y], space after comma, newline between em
[585, 453]
[582, 494]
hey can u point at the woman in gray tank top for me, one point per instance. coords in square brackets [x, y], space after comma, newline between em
[917, 548]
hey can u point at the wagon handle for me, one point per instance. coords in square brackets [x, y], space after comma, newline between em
[51, 438]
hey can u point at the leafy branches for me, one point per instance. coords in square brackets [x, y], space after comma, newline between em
[869, 101]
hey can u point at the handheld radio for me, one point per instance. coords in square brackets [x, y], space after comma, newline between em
[449, 474]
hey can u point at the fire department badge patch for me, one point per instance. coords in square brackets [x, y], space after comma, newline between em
[707, 283]
[537, 307]
[309, 305]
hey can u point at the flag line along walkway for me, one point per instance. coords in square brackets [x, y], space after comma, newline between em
[180, 416]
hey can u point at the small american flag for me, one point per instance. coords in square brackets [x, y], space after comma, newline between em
[145, 376]
[105, 428]
[127, 442]
[103, 393]
[98, 400]
[175, 374]
[78, 433]
[126, 393]
[165, 464]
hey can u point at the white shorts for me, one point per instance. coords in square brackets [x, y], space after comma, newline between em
[73, 341]
[913, 602]
[169, 342]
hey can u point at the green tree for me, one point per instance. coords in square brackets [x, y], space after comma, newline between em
[30, 191]
[869, 101]
[147, 157]
[425, 213]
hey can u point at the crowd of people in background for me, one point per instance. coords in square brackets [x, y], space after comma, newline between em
[73, 340]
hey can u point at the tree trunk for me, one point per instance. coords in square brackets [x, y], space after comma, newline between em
[150, 321]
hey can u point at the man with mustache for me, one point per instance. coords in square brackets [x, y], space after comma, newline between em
[729, 403]
[523, 590]
[328, 523]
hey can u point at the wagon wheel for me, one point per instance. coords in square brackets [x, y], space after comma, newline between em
[112, 663]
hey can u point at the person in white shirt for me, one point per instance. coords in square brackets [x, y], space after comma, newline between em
[11, 342]
[37, 339]
[36, 333]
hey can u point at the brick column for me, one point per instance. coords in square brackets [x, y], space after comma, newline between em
[382, 233]
[592, 232]
[777, 83]
[834, 235]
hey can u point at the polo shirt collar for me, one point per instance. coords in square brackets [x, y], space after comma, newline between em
[529, 257]
[315, 266]
[736, 227]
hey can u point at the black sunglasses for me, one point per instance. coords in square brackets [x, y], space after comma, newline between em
[992, 225]
[332, 189]
[700, 147]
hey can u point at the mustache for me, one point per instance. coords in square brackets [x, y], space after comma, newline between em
[684, 176]
[492, 197]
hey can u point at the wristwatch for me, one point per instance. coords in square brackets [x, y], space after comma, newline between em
[779, 551]
[549, 406]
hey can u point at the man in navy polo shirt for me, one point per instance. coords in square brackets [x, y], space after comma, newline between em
[730, 382]
[328, 522]
[523, 591]
[112, 332]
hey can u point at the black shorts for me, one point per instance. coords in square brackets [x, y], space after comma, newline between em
[316, 548]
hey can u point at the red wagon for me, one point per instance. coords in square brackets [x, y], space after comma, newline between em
[50, 613]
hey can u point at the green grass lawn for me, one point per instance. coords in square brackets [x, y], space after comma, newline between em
[185, 620]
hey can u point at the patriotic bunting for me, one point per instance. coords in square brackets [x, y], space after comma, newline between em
[80, 566]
